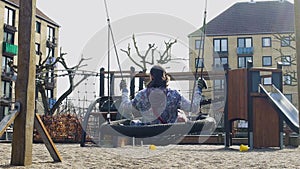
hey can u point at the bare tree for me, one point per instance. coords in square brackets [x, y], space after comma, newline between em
[287, 41]
[46, 74]
[163, 58]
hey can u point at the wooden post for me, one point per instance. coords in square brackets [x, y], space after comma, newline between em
[297, 30]
[25, 86]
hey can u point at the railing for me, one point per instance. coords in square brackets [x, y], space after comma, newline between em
[245, 51]
[10, 49]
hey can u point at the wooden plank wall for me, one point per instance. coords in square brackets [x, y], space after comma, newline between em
[265, 123]
[237, 94]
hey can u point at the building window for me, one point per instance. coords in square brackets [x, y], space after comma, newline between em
[289, 97]
[221, 45]
[51, 34]
[9, 16]
[267, 61]
[267, 80]
[37, 48]
[198, 43]
[242, 61]
[266, 42]
[285, 41]
[50, 76]
[286, 60]
[219, 84]
[38, 27]
[220, 61]
[287, 79]
[5, 64]
[4, 110]
[49, 93]
[244, 42]
[8, 37]
[199, 63]
[49, 52]
[6, 89]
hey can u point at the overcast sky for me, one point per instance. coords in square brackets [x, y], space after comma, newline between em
[81, 20]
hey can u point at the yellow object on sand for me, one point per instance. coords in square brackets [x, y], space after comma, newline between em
[152, 147]
[244, 147]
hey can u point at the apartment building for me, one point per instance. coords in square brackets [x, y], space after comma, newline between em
[46, 41]
[262, 32]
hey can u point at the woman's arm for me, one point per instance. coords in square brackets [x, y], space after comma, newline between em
[185, 104]
[125, 108]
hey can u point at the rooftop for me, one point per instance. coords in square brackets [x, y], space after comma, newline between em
[246, 18]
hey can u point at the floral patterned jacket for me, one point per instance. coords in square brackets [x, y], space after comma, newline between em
[158, 105]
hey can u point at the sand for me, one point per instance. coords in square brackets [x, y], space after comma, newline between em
[172, 156]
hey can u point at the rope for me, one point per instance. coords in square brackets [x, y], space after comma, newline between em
[110, 34]
[113, 39]
[202, 42]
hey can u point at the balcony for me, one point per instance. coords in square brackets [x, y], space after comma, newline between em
[245, 51]
[221, 53]
[218, 66]
[10, 49]
[10, 28]
[5, 100]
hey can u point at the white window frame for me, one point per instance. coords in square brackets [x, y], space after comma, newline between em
[220, 61]
[285, 41]
[245, 43]
[245, 60]
[267, 81]
[219, 84]
[220, 45]
[9, 16]
[266, 42]
[263, 60]
[287, 79]
[286, 60]
[197, 44]
[199, 62]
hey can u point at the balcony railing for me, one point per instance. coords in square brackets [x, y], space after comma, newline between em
[221, 53]
[245, 51]
[217, 66]
[10, 49]
[10, 28]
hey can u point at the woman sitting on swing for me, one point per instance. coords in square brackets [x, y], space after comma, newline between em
[157, 103]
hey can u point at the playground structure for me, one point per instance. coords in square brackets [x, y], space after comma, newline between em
[94, 117]
[247, 99]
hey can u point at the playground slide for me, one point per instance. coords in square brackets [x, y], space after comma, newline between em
[284, 107]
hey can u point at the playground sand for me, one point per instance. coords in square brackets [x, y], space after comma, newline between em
[172, 156]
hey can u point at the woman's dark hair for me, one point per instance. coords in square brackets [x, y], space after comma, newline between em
[160, 77]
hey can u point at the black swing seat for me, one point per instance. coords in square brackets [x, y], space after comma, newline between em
[123, 128]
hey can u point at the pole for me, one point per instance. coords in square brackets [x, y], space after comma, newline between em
[297, 33]
[202, 42]
[25, 86]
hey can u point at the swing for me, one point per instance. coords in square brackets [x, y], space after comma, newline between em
[204, 124]
[163, 133]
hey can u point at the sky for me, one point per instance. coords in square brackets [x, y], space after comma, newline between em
[81, 20]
